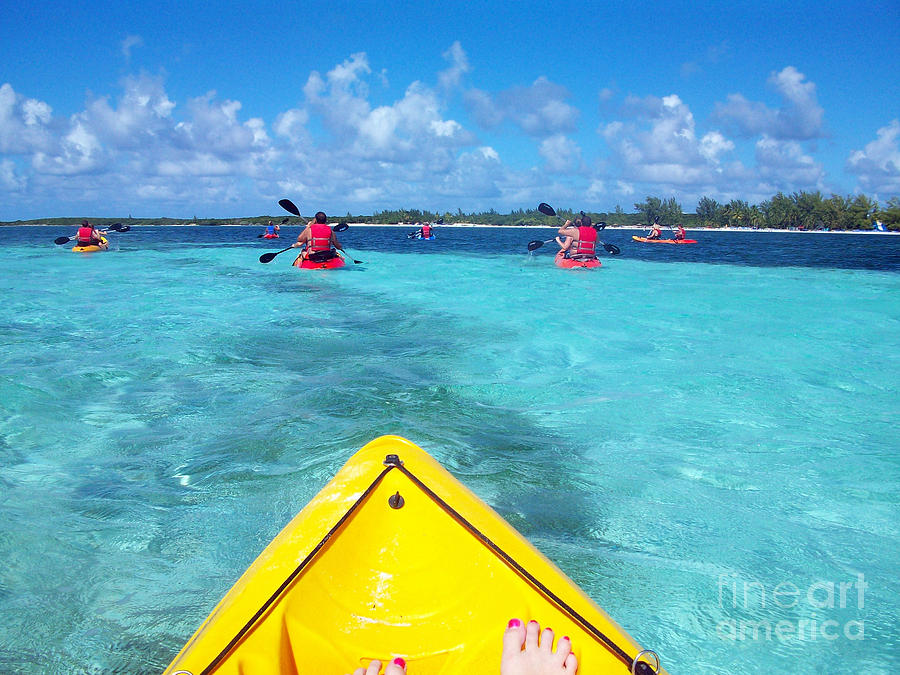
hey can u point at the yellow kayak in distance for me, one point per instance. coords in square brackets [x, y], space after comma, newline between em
[102, 246]
[395, 557]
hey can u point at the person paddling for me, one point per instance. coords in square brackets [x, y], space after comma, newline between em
[88, 235]
[679, 232]
[425, 232]
[271, 230]
[655, 231]
[579, 239]
[319, 239]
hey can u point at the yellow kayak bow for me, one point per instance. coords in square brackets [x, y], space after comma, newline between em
[395, 557]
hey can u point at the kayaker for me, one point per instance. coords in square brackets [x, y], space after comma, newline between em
[425, 232]
[318, 236]
[579, 239]
[655, 231]
[88, 235]
[527, 650]
[679, 232]
[272, 230]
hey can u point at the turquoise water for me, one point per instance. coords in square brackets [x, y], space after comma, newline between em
[670, 433]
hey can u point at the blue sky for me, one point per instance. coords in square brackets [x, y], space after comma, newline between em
[193, 109]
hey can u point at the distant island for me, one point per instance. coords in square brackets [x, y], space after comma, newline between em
[809, 211]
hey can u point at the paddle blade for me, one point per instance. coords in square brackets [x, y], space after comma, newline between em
[546, 209]
[612, 248]
[534, 245]
[600, 226]
[341, 227]
[284, 221]
[59, 241]
[268, 257]
[123, 228]
[288, 205]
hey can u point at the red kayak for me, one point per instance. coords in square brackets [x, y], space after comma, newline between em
[577, 262]
[329, 264]
[270, 236]
[664, 241]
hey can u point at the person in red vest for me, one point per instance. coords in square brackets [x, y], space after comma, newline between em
[679, 232]
[318, 236]
[578, 239]
[88, 235]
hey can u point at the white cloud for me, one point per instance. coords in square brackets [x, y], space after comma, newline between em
[129, 43]
[343, 147]
[80, 152]
[660, 145]
[561, 154]
[799, 118]
[10, 178]
[783, 165]
[714, 144]
[878, 164]
[291, 124]
[24, 123]
[540, 109]
[459, 66]
[142, 118]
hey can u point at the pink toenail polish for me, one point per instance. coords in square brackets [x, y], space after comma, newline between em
[399, 662]
[532, 621]
[565, 637]
[514, 623]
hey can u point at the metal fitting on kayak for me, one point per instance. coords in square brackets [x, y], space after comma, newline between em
[396, 501]
[639, 667]
[393, 460]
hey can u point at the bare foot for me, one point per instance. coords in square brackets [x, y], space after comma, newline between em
[395, 667]
[528, 650]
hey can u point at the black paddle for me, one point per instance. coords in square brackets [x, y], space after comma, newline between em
[115, 227]
[547, 210]
[288, 205]
[537, 243]
[342, 227]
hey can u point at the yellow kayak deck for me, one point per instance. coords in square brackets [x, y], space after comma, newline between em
[395, 557]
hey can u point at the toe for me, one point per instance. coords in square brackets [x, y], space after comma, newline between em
[374, 667]
[513, 638]
[571, 664]
[532, 631]
[396, 667]
[563, 649]
[547, 639]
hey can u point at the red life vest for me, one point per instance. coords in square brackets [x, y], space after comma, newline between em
[426, 231]
[587, 240]
[85, 235]
[319, 237]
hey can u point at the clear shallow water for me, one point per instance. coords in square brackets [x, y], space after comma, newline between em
[165, 408]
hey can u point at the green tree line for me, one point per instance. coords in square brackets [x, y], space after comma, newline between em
[799, 210]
